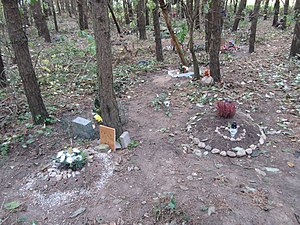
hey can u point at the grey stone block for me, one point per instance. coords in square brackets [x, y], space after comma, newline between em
[125, 139]
[83, 128]
[118, 145]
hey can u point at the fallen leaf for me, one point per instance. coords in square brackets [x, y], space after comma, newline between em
[12, 205]
[290, 164]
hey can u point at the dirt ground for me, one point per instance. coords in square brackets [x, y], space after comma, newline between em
[160, 181]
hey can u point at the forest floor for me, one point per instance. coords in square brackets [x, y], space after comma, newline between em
[165, 178]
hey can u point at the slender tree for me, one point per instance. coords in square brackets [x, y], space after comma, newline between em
[266, 9]
[58, 7]
[295, 46]
[130, 10]
[54, 15]
[216, 31]
[40, 20]
[20, 46]
[108, 102]
[147, 16]
[165, 13]
[276, 13]
[254, 19]
[285, 14]
[191, 15]
[158, 46]
[68, 8]
[239, 14]
[3, 81]
[208, 22]
[141, 20]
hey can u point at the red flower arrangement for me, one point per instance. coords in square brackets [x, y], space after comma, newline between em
[226, 109]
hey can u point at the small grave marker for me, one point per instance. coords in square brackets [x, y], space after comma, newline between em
[108, 136]
[125, 139]
[83, 128]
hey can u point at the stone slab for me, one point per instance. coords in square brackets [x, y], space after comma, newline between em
[125, 139]
[83, 128]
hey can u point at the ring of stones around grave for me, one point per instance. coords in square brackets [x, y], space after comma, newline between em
[240, 152]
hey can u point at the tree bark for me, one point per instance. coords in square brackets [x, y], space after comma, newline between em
[3, 80]
[295, 46]
[141, 21]
[266, 9]
[158, 46]
[147, 14]
[165, 13]
[20, 46]
[285, 13]
[254, 20]
[106, 95]
[208, 21]
[191, 15]
[239, 15]
[216, 30]
[126, 15]
[73, 7]
[54, 15]
[83, 23]
[40, 20]
[276, 13]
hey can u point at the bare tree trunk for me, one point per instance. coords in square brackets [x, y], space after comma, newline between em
[141, 19]
[266, 9]
[254, 20]
[114, 18]
[158, 46]
[54, 15]
[83, 23]
[165, 13]
[125, 9]
[40, 20]
[20, 45]
[208, 29]
[235, 6]
[147, 14]
[108, 102]
[191, 15]
[216, 15]
[295, 46]
[3, 80]
[239, 14]
[276, 13]
[285, 13]
[58, 7]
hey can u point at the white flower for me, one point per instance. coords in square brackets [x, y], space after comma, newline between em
[76, 150]
[69, 154]
[70, 160]
[62, 158]
[59, 154]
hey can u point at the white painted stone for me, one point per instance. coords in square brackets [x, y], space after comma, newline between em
[231, 154]
[249, 151]
[201, 144]
[241, 153]
[215, 151]
[223, 153]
